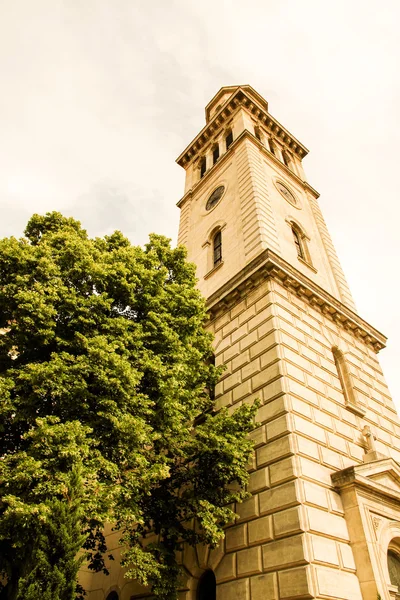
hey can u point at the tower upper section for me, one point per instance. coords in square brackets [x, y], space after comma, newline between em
[246, 194]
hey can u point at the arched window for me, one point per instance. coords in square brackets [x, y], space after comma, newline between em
[215, 153]
[217, 248]
[300, 239]
[298, 242]
[228, 139]
[112, 596]
[203, 166]
[213, 247]
[394, 567]
[207, 588]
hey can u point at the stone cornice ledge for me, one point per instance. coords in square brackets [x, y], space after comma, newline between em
[268, 264]
[359, 476]
[228, 155]
[240, 98]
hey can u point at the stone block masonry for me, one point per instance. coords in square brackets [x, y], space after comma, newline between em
[324, 511]
[291, 538]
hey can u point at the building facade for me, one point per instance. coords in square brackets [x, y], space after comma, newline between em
[323, 520]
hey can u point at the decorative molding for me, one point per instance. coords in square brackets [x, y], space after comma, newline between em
[355, 408]
[213, 229]
[211, 271]
[376, 521]
[366, 477]
[292, 221]
[241, 98]
[371, 453]
[307, 264]
[295, 202]
[228, 154]
[269, 265]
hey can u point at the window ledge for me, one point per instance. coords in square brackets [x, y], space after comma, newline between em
[207, 275]
[354, 408]
[309, 265]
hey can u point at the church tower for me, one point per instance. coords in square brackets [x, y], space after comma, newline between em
[323, 520]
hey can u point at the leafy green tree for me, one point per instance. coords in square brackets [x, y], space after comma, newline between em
[105, 412]
[49, 485]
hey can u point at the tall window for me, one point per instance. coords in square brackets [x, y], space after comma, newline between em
[286, 159]
[394, 567]
[343, 373]
[228, 139]
[217, 248]
[344, 376]
[207, 588]
[298, 242]
[257, 133]
[215, 153]
[203, 167]
[271, 146]
[345, 382]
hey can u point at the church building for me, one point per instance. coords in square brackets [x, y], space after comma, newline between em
[323, 520]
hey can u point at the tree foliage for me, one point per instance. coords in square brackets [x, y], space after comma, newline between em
[105, 412]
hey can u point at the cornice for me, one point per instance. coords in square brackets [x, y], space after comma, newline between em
[228, 154]
[286, 170]
[238, 100]
[269, 265]
[357, 477]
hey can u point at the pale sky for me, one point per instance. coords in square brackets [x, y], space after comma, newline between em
[100, 96]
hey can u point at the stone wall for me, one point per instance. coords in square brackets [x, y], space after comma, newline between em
[290, 539]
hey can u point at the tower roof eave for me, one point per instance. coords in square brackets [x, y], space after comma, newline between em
[269, 264]
[247, 97]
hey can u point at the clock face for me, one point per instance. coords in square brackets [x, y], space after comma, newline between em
[286, 193]
[215, 197]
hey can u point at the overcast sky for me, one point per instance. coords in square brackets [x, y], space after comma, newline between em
[100, 96]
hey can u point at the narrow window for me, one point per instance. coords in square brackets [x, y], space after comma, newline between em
[217, 247]
[298, 242]
[286, 159]
[203, 167]
[257, 133]
[345, 383]
[343, 374]
[215, 154]
[338, 357]
[229, 139]
[207, 588]
[271, 146]
[345, 379]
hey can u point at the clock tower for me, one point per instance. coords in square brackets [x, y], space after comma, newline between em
[323, 520]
